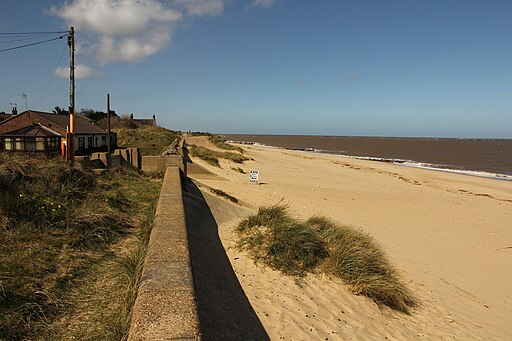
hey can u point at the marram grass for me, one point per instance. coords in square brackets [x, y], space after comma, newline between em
[276, 239]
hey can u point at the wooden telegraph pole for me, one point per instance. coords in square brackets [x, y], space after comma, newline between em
[70, 136]
[108, 119]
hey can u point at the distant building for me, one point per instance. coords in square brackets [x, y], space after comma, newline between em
[144, 121]
[43, 132]
[4, 117]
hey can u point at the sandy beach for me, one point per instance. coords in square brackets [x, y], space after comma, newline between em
[450, 236]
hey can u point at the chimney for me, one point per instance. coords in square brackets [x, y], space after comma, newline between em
[14, 110]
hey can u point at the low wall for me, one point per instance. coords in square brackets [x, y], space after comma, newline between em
[160, 163]
[166, 307]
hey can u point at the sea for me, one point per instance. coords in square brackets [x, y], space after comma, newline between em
[490, 158]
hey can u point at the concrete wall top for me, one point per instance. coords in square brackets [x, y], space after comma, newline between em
[166, 308]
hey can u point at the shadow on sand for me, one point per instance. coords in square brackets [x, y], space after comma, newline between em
[225, 313]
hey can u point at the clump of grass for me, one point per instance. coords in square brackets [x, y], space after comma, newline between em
[223, 194]
[235, 157]
[282, 243]
[212, 157]
[221, 143]
[238, 169]
[276, 239]
[205, 154]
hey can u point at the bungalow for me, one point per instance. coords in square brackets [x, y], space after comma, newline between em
[37, 131]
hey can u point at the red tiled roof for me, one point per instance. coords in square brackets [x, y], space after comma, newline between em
[82, 125]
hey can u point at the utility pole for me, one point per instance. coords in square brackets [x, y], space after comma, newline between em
[108, 119]
[70, 136]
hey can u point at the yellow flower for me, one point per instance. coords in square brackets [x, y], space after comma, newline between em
[59, 206]
[21, 195]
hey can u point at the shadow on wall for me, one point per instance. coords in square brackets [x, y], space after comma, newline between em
[225, 313]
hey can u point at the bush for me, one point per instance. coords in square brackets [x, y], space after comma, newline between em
[274, 238]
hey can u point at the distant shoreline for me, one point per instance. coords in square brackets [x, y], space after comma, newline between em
[475, 157]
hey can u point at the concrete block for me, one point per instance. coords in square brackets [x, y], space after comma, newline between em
[167, 276]
[164, 315]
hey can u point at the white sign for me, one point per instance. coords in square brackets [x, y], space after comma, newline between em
[254, 176]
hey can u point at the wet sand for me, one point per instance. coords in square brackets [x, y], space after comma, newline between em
[449, 234]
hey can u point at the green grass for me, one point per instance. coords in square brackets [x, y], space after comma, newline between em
[274, 238]
[212, 157]
[218, 141]
[150, 140]
[64, 232]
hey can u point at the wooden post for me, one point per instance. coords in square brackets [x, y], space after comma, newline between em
[71, 136]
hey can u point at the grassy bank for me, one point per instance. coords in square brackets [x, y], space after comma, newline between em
[71, 248]
[295, 247]
[150, 140]
[218, 141]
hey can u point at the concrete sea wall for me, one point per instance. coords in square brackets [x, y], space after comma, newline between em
[166, 307]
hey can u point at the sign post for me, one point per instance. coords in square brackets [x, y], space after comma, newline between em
[254, 177]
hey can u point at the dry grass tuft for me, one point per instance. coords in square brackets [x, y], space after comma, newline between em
[276, 239]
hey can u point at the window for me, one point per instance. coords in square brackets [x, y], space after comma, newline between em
[89, 142]
[40, 143]
[18, 143]
[8, 143]
[96, 143]
[54, 143]
[30, 144]
[103, 140]
[81, 142]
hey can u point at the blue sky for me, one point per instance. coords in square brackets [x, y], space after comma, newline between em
[440, 68]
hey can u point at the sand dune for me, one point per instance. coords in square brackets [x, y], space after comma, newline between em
[449, 234]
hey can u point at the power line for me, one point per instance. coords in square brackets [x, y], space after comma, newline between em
[32, 33]
[32, 44]
[51, 79]
[13, 40]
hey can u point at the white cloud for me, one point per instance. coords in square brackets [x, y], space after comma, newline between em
[201, 7]
[262, 3]
[115, 17]
[120, 30]
[132, 30]
[81, 72]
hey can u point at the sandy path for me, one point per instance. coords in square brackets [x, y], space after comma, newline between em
[450, 234]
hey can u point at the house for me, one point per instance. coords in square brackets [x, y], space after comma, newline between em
[144, 121]
[43, 132]
[3, 117]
